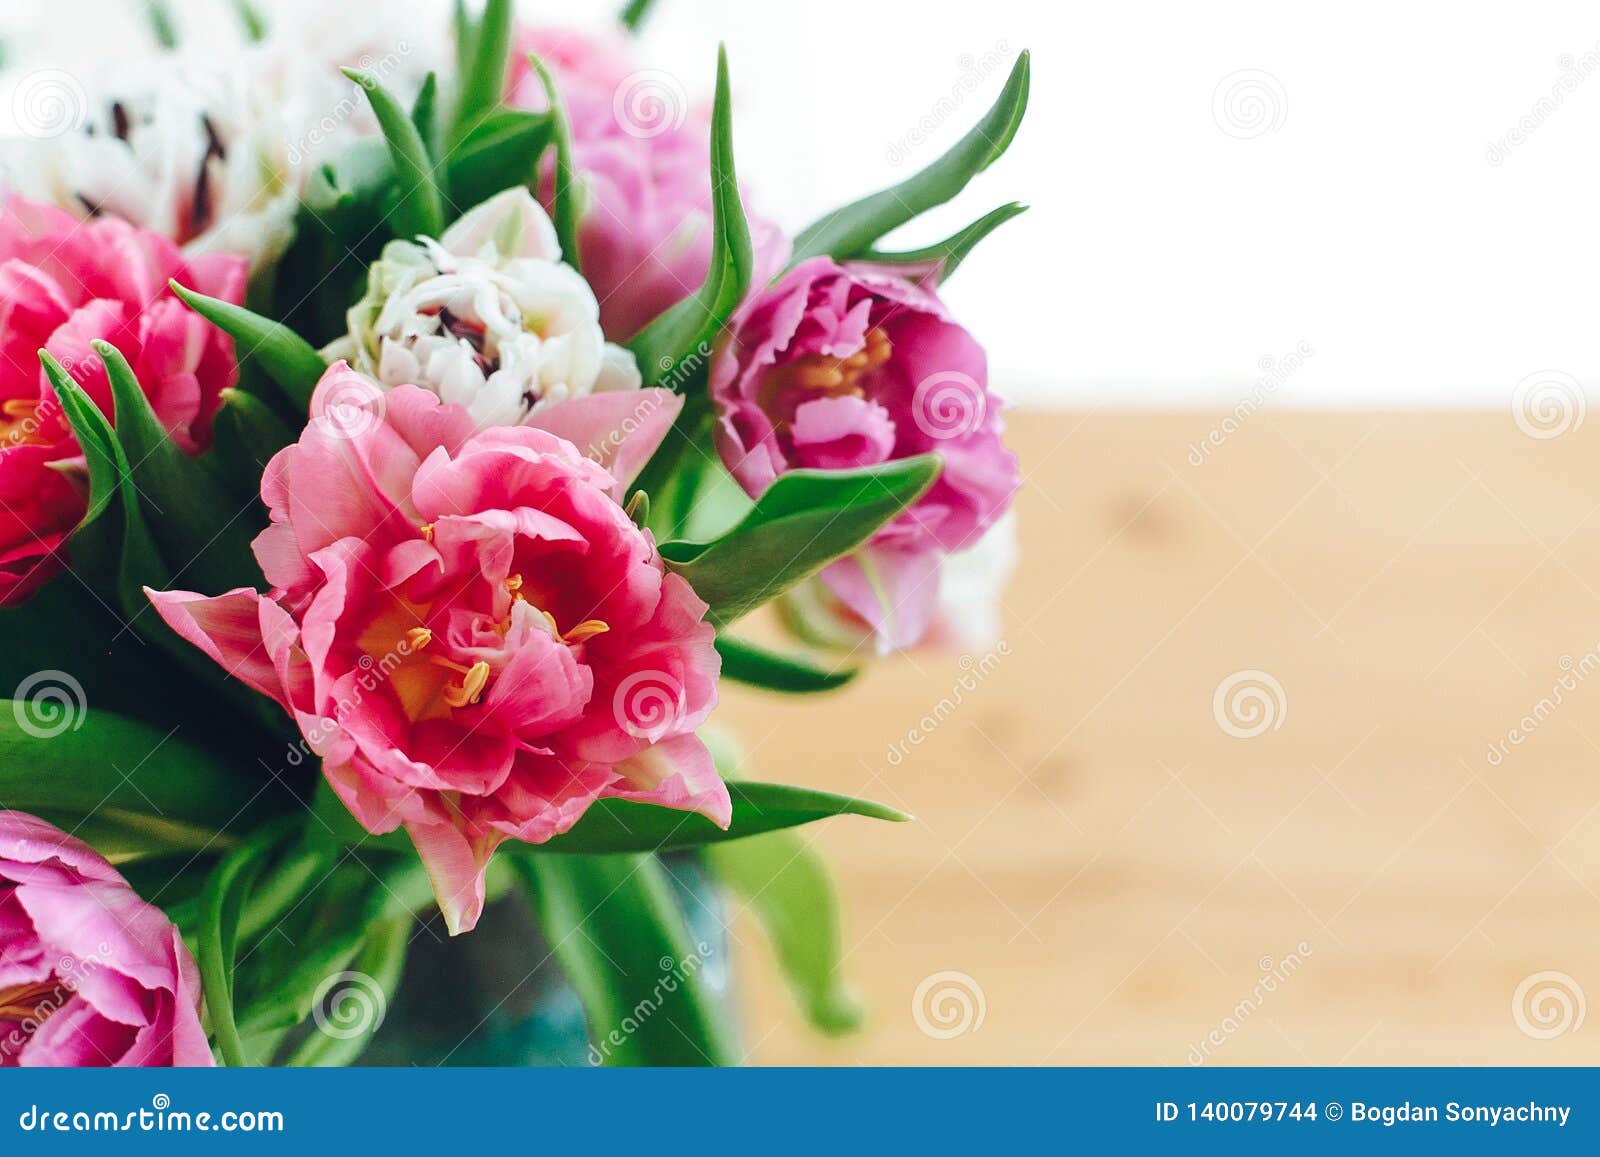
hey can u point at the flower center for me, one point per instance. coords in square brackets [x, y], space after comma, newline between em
[32, 1002]
[20, 423]
[826, 376]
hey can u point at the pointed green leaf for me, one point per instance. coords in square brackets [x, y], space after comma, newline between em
[618, 934]
[788, 887]
[568, 189]
[748, 662]
[849, 232]
[634, 14]
[940, 260]
[420, 211]
[483, 81]
[501, 153]
[199, 530]
[287, 358]
[802, 522]
[248, 434]
[425, 115]
[695, 323]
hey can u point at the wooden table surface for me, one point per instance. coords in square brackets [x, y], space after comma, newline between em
[1110, 860]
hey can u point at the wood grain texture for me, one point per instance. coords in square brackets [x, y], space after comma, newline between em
[1112, 868]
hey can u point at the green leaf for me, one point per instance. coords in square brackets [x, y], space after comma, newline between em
[619, 826]
[425, 115]
[941, 259]
[634, 14]
[285, 356]
[850, 231]
[247, 436]
[802, 522]
[788, 887]
[221, 905]
[251, 21]
[616, 930]
[61, 754]
[751, 663]
[483, 81]
[202, 534]
[382, 960]
[569, 191]
[162, 26]
[420, 210]
[692, 326]
[501, 153]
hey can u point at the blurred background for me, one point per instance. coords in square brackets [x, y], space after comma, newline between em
[1288, 752]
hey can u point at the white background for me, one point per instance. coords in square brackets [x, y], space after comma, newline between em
[1166, 254]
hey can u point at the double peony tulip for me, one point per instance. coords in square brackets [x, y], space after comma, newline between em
[466, 625]
[835, 367]
[65, 283]
[89, 973]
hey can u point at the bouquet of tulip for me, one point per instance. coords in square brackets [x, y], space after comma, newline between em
[390, 456]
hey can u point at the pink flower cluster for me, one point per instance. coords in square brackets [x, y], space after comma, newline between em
[467, 627]
[833, 368]
[65, 283]
[90, 974]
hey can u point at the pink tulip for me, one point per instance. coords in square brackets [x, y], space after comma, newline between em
[89, 973]
[468, 629]
[834, 368]
[63, 284]
[643, 154]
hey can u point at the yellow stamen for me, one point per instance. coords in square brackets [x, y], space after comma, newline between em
[818, 376]
[514, 585]
[472, 685]
[586, 630]
[427, 531]
[31, 1002]
[418, 638]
